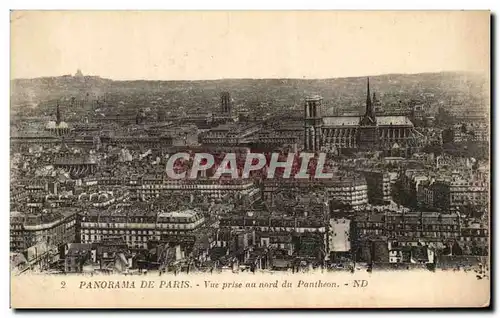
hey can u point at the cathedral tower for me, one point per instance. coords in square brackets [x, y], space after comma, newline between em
[313, 123]
[368, 131]
[369, 118]
[58, 114]
[225, 103]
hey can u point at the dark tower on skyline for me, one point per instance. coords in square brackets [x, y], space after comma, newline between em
[313, 122]
[368, 130]
[369, 117]
[370, 112]
[58, 114]
[225, 103]
[368, 99]
[377, 105]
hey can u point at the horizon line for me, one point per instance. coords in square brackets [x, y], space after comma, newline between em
[248, 78]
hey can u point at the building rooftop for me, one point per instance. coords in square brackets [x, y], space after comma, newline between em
[234, 127]
[32, 134]
[178, 214]
[336, 121]
[314, 98]
[393, 120]
[74, 160]
[16, 214]
[341, 121]
[76, 249]
[54, 125]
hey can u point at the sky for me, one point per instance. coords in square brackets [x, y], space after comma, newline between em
[193, 45]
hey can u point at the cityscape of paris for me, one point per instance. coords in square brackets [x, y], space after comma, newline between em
[182, 145]
[407, 157]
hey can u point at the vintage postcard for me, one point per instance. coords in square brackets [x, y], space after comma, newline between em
[259, 159]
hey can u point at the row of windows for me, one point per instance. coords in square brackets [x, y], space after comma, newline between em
[425, 227]
[411, 233]
[130, 240]
[141, 225]
[437, 228]
[167, 226]
[478, 232]
[94, 238]
[87, 231]
[205, 188]
[283, 229]
[477, 239]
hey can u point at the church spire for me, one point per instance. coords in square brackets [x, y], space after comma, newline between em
[369, 106]
[368, 100]
[58, 114]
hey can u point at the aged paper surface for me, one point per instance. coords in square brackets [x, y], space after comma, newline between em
[327, 159]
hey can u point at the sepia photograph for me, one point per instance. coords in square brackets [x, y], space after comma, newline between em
[250, 159]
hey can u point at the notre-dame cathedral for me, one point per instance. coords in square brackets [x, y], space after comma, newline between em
[363, 133]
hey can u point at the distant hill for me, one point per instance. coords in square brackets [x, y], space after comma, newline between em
[43, 88]
[340, 94]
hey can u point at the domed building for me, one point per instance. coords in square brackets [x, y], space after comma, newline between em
[57, 127]
[79, 73]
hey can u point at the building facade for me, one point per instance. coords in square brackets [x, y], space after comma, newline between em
[408, 227]
[379, 186]
[450, 196]
[137, 226]
[53, 228]
[350, 190]
[215, 189]
[230, 134]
